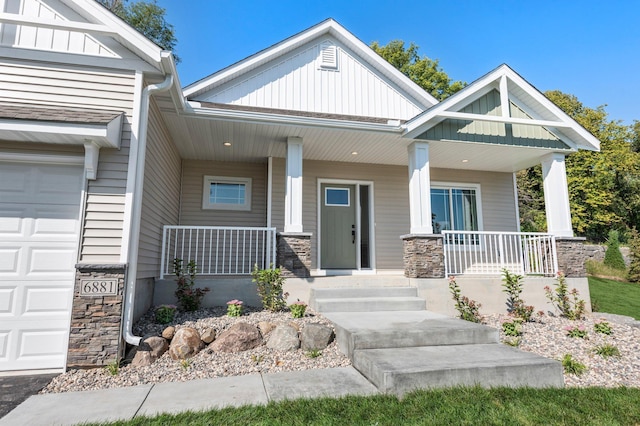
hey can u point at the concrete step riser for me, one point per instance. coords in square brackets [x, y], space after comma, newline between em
[368, 305]
[337, 293]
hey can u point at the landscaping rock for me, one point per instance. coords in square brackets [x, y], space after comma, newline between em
[208, 336]
[284, 338]
[169, 332]
[185, 343]
[266, 327]
[149, 351]
[316, 336]
[239, 337]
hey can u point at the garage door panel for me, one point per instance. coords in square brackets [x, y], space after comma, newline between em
[7, 300]
[4, 344]
[12, 222]
[51, 260]
[14, 183]
[9, 260]
[56, 221]
[57, 185]
[50, 301]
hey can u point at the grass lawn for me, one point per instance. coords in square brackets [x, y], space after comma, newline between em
[615, 297]
[457, 406]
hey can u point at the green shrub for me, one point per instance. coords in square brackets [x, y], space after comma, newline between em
[298, 309]
[469, 309]
[566, 302]
[634, 248]
[613, 256]
[572, 366]
[165, 313]
[513, 286]
[607, 350]
[512, 328]
[270, 283]
[234, 307]
[603, 327]
[189, 297]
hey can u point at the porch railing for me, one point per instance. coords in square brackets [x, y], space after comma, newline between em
[487, 253]
[218, 250]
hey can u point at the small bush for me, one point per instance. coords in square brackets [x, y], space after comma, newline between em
[607, 350]
[613, 256]
[579, 332]
[572, 366]
[189, 297]
[234, 308]
[165, 313]
[512, 328]
[603, 327]
[566, 302]
[513, 286]
[297, 309]
[634, 249]
[270, 283]
[314, 353]
[113, 367]
[469, 309]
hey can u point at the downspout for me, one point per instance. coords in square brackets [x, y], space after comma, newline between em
[136, 209]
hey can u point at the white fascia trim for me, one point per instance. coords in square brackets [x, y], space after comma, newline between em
[57, 24]
[280, 119]
[77, 160]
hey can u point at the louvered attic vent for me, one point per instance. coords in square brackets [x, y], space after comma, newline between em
[328, 56]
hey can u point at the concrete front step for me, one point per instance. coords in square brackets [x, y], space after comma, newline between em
[401, 370]
[369, 304]
[336, 293]
[402, 329]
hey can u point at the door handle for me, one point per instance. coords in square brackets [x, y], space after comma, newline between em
[353, 234]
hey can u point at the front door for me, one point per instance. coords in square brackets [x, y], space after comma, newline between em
[339, 240]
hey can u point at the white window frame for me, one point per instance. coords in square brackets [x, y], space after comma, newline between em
[458, 185]
[206, 193]
[327, 188]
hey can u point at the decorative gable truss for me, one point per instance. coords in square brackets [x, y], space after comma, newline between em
[476, 114]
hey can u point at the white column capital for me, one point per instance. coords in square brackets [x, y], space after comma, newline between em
[293, 195]
[420, 188]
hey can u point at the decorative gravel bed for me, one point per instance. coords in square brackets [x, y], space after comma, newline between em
[545, 336]
[206, 364]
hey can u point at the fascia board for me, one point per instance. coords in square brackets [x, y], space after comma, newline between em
[277, 119]
[104, 135]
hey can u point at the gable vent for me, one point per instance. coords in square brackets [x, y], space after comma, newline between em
[328, 56]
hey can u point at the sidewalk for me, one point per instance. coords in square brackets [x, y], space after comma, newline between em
[198, 395]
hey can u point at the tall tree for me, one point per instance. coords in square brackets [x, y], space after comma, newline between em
[425, 72]
[146, 17]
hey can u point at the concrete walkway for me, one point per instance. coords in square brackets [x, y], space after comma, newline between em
[198, 395]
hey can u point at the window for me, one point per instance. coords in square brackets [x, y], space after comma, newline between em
[337, 197]
[455, 208]
[226, 193]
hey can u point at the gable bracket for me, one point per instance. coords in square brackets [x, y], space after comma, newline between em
[500, 119]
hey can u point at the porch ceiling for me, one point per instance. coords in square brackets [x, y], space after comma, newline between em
[203, 138]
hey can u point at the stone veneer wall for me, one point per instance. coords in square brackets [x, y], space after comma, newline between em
[572, 255]
[423, 256]
[294, 254]
[96, 320]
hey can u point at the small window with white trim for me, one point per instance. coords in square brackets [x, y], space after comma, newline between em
[226, 193]
[337, 197]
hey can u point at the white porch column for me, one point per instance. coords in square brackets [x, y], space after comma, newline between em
[293, 196]
[556, 195]
[420, 189]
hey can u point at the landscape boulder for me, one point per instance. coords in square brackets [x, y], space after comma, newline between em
[185, 343]
[284, 338]
[239, 337]
[149, 350]
[315, 336]
[208, 336]
[266, 327]
[168, 332]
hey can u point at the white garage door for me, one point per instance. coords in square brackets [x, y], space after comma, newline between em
[39, 209]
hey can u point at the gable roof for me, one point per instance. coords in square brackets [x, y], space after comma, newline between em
[513, 89]
[327, 27]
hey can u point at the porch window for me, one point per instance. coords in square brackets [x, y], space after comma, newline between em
[455, 208]
[226, 193]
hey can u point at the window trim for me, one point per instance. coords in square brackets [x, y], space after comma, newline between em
[327, 188]
[460, 185]
[206, 193]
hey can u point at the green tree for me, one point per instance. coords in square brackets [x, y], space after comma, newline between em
[634, 247]
[425, 72]
[146, 17]
[613, 256]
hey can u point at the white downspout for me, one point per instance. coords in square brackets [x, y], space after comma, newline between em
[136, 209]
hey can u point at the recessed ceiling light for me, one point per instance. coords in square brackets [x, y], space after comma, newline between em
[354, 153]
[465, 161]
[227, 144]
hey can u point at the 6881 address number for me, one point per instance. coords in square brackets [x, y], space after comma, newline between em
[99, 287]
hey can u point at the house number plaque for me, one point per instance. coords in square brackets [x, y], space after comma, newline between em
[99, 287]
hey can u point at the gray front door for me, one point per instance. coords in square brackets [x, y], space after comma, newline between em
[339, 237]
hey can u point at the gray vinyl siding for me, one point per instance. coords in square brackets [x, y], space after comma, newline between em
[192, 213]
[493, 132]
[161, 193]
[45, 84]
[391, 201]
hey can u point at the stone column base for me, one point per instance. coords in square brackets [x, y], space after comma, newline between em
[423, 255]
[294, 254]
[572, 256]
[96, 319]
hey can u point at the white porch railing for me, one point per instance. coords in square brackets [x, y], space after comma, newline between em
[487, 253]
[218, 250]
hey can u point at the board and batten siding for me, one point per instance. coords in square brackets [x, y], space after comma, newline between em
[297, 82]
[191, 211]
[161, 193]
[391, 201]
[40, 84]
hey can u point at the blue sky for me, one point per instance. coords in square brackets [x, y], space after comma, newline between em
[587, 48]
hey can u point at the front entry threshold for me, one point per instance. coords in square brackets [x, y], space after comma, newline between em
[339, 272]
